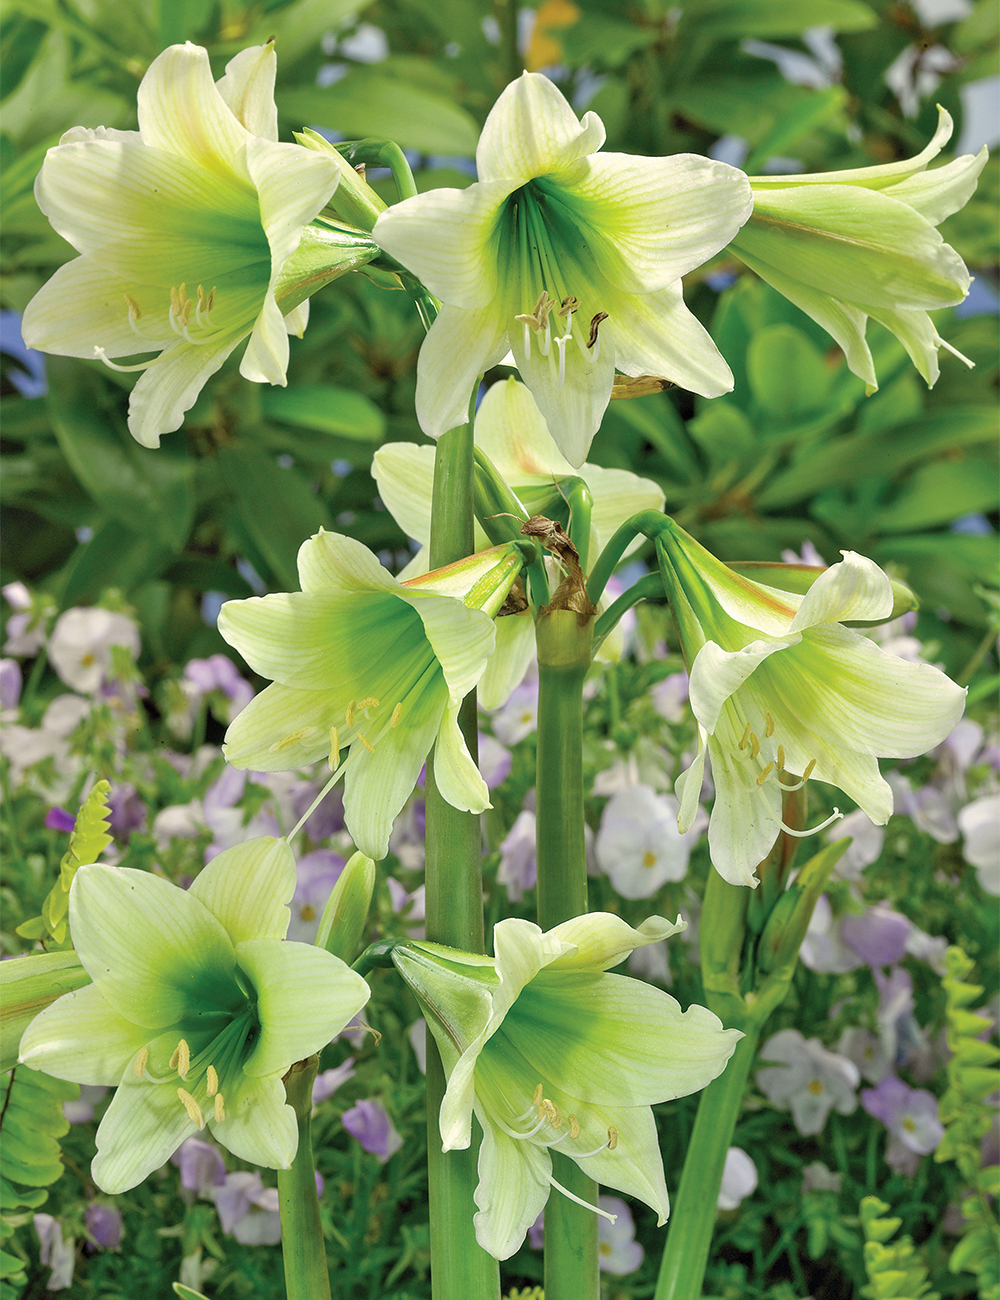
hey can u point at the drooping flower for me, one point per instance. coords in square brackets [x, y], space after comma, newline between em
[104, 1225]
[847, 245]
[193, 233]
[810, 1081]
[361, 661]
[569, 257]
[549, 1051]
[197, 1009]
[639, 846]
[782, 691]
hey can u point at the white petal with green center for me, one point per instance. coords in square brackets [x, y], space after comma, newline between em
[141, 1129]
[282, 729]
[80, 1037]
[656, 334]
[746, 817]
[305, 997]
[515, 648]
[937, 194]
[259, 1125]
[83, 304]
[247, 889]
[716, 674]
[266, 358]
[462, 639]
[404, 474]
[855, 590]
[446, 238]
[655, 219]
[602, 940]
[331, 562]
[459, 347]
[532, 131]
[170, 387]
[152, 949]
[248, 89]
[455, 774]
[182, 111]
[512, 1191]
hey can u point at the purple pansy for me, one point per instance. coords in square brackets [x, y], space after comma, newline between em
[370, 1124]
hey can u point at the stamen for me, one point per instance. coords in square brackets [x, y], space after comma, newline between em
[612, 1137]
[211, 1081]
[334, 758]
[595, 325]
[292, 738]
[220, 1109]
[366, 742]
[561, 344]
[940, 342]
[139, 1064]
[536, 1097]
[568, 306]
[746, 736]
[181, 1059]
[809, 769]
[349, 715]
[765, 774]
[134, 312]
[552, 1112]
[574, 1127]
[835, 816]
[611, 1218]
[397, 713]
[754, 745]
[781, 758]
[768, 725]
[192, 1108]
[101, 355]
[369, 702]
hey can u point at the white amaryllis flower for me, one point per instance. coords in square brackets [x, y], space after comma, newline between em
[779, 687]
[570, 258]
[185, 229]
[551, 1052]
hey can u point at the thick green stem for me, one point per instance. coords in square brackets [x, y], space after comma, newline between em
[460, 1268]
[564, 655]
[307, 1276]
[692, 1221]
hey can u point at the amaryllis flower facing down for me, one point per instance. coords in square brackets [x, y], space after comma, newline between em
[569, 257]
[551, 1052]
[192, 232]
[783, 691]
[197, 1009]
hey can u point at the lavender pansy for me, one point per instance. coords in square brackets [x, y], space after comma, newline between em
[369, 1122]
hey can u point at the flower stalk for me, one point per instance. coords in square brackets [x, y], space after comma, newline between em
[307, 1276]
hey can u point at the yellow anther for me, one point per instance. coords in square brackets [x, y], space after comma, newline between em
[211, 1081]
[192, 1108]
[181, 1059]
[765, 774]
[139, 1064]
[746, 737]
[754, 745]
[134, 310]
[568, 305]
[809, 767]
[175, 302]
[369, 702]
[551, 1112]
[292, 738]
[397, 713]
[349, 715]
[612, 1137]
[220, 1109]
[536, 1097]
[781, 758]
[768, 725]
[334, 760]
[366, 742]
[574, 1127]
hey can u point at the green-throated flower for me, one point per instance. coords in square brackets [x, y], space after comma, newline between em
[197, 1009]
[569, 257]
[780, 687]
[192, 232]
[551, 1053]
[847, 245]
[361, 661]
[509, 428]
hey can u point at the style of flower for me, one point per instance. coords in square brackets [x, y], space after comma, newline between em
[639, 846]
[847, 245]
[197, 1009]
[192, 232]
[369, 1122]
[568, 257]
[81, 644]
[365, 663]
[549, 1051]
[810, 1081]
[782, 692]
[739, 1179]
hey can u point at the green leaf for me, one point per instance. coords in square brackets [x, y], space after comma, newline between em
[326, 409]
[804, 116]
[942, 491]
[30, 984]
[32, 1119]
[787, 373]
[741, 18]
[595, 38]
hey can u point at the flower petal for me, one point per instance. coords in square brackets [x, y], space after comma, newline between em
[80, 1037]
[305, 997]
[651, 220]
[656, 334]
[511, 430]
[446, 238]
[532, 131]
[459, 346]
[746, 817]
[247, 887]
[455, 774]
[331, 562]
[170, 387]
[292, 184]
[635, 1166]
[915, 330]
[82, 305]
[282, 729]
[248, 89]
[150, 947]
[515, 648]
[404, 475]
[259, 1126]
[462, 639]
[182, 112]
[297, 319]
[512, 1191]
[689, 784]
[716, 674]
[618, 494]
[141, 1129]
[937, 194]
[266, 358]
[602, 940]
[855, 590]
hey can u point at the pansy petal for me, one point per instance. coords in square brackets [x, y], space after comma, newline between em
[259, 1125]
[855, 590]
[602, 940]
[305, 997]
[515, 648]
[148, 945]
[80, 1037]
[181, 111]
[247, 887]
[170, 387]
[459, 346]
[532, 131]
[141, 1129]
[656, 334]
[248, 89]
[404, 475]
[455, 774]
[512, 1191]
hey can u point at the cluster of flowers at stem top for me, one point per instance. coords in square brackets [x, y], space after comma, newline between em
[201, 229]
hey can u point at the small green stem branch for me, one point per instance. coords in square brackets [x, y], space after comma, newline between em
[382, 153]
[307, 1276]
[649, 587]
[460, 1268]
[564, 656]
[648, 522]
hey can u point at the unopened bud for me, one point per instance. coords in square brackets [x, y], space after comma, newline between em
[343, 921]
